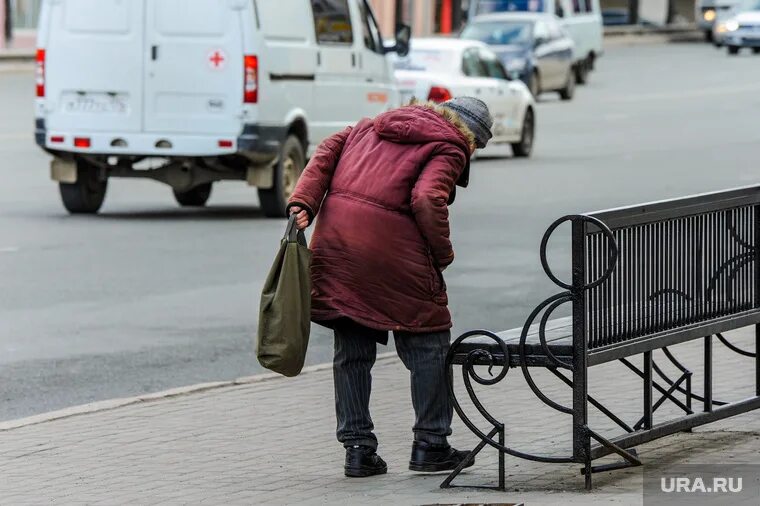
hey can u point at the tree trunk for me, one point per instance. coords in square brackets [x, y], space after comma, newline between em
[633, 12]
[8, 28]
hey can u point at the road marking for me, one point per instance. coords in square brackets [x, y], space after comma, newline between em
[9, 249]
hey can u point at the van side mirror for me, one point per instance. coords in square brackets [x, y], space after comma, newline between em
[539, 41]
[403, 34]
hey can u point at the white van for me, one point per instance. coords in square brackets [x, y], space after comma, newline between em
[581, 19]
[193, 92]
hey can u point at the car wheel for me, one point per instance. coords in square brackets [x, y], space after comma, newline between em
[582, 71]
[523, 148]
[87, 194]
[286, 173]
[568, 91]
[535, 84]
[756, 50]
[195, 197]
[708, 36]
[733, 49]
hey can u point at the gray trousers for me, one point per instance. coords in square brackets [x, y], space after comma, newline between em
[424, 355]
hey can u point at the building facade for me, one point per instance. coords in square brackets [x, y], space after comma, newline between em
[18, 19]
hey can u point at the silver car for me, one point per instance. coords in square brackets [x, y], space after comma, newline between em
[743, 29]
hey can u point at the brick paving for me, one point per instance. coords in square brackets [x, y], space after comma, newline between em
[272, 442]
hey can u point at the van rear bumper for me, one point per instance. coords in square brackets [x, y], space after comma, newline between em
[256, 139]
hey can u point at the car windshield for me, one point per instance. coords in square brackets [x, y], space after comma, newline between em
[500, 33]
[488, 6]
[427, 60]
[750, 5]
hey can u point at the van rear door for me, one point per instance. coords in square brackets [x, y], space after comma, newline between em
[194, 66]
[94, 66]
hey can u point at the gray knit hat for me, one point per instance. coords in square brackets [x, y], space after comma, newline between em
[474, 113]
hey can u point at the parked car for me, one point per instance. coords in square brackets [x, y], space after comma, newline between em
[581, 19]
[709, 12]
[532, 46]
[205, 90]
[743, 30]
[440, 69]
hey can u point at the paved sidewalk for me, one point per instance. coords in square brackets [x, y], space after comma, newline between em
[271, 441]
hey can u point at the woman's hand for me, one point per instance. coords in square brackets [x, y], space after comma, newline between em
[302, 217]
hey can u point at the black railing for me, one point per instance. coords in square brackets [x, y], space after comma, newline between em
[696, 265]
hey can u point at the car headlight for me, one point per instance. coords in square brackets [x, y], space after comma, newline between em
[517, 64]
[709, 15]
[732, 25]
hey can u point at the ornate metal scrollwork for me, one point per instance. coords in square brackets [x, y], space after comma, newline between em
[485, 356]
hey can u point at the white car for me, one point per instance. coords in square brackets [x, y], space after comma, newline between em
[743, 29]
[438, 69]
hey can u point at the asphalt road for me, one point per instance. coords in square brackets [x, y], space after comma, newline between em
[147, 296]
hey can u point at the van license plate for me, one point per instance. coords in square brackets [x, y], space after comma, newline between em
[95, 103]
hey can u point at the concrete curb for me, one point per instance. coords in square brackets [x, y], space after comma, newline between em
[110, 404]
[17, 55]
[625, 30]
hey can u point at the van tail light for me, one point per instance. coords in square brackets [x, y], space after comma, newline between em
[81, 142]
[439, 94]
[251, 79]
[40, 73]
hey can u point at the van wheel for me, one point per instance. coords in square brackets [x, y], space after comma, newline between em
[523, 148]
[582, 71]
[286, 173]
[733, 49]
[568, 91]
[756, 50]
[87, 194]
[195, 197]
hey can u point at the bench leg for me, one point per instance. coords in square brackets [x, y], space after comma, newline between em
[757, 360]
[648, 410]
[708, 404]
[502, 471]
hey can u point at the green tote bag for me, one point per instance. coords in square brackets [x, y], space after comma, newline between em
[285, 308]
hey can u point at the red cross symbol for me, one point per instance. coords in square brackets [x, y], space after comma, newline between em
[216, 59]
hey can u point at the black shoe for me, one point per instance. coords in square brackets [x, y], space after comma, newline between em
[428, 458]
[362, 461]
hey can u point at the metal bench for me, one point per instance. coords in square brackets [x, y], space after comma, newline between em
[644, 278]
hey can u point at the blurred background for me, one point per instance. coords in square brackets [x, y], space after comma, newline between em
[173, 144]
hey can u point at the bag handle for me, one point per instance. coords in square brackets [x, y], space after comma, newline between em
[292, 234]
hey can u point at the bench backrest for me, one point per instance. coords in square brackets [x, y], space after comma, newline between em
[686, 268]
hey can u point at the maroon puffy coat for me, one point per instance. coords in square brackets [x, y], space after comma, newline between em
[381, 189]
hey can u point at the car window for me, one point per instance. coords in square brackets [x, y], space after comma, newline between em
[488, 6]
[499, 33]
[332, 21]
[472, 65]
[493, 66]
[371, 33]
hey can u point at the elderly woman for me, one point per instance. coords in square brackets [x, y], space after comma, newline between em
[381, 190]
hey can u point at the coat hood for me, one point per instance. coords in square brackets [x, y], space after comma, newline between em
[421, 122]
